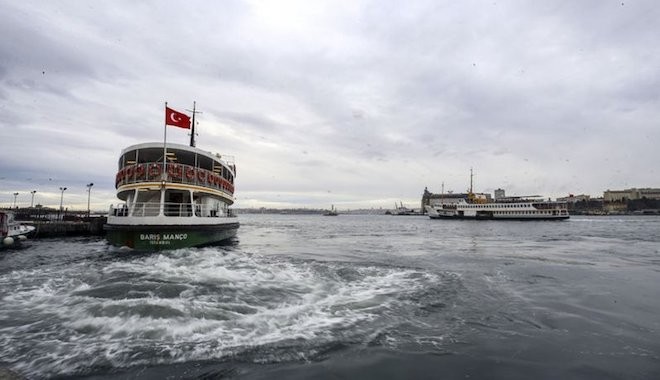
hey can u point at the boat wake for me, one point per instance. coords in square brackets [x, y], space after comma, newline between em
[209, 304]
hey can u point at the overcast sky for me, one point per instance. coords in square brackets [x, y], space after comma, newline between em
[352, 103]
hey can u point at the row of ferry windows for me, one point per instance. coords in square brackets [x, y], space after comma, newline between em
[499, 206]
[522, 212]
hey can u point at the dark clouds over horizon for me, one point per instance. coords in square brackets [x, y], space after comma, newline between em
[356, 104]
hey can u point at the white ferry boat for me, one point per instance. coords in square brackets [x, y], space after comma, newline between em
[177, 202]
[515, 209]
[477, 206]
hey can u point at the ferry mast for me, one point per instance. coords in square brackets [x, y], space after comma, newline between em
[192, 130]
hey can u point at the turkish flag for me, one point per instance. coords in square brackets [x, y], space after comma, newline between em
[176, 119]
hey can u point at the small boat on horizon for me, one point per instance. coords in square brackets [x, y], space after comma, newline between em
[331, 212]
[401, 210]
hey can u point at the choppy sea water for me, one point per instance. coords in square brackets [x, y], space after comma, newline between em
[347, 297]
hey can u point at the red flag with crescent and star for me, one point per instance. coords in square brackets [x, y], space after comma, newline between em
[176, 118]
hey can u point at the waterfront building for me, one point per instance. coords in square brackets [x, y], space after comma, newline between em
[448, 198]
[575, 198]
[631, 194]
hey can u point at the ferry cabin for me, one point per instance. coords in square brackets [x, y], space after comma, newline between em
[191, 183]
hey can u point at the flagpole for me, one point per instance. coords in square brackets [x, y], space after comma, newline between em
[161, 210]
[165, 143]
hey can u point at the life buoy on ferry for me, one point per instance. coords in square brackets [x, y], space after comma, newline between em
[201, 174]
[174, 170]
[190, 173]
[139, 171]
[154, 170]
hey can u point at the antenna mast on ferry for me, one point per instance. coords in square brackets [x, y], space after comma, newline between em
[192, 131]
[470, 179]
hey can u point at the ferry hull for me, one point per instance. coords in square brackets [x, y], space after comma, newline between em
[480, 217]
[524, 214]
[165, 237]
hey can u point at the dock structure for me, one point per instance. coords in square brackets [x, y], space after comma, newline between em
[88, 227]
[50, 222]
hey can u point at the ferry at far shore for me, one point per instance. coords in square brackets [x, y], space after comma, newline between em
[179, 202]
[479, 206]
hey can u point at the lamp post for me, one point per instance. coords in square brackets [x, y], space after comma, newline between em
[15, 195]
[32, 202]
[61, 199]
[89, 193]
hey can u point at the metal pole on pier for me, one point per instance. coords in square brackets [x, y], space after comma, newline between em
[61, 200]
[89, 193]
[32, 201]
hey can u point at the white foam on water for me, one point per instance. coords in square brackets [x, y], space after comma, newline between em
[219, 304]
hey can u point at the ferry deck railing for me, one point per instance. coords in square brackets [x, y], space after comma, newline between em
[174, 173]
[145, 209]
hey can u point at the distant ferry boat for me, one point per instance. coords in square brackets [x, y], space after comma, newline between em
[473, 206]
[513, 209]
[182, 201]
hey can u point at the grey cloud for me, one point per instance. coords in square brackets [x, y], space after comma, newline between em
[423, 89]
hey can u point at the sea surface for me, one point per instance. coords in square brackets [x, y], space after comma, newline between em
[346, 297]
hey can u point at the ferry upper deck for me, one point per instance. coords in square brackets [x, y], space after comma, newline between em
[142, 165]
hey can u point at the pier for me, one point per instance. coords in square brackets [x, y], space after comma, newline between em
[55, 223]
[88, 227]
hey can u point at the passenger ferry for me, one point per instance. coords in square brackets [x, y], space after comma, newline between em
[182, 201]
[513, 209]
[478, 206]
